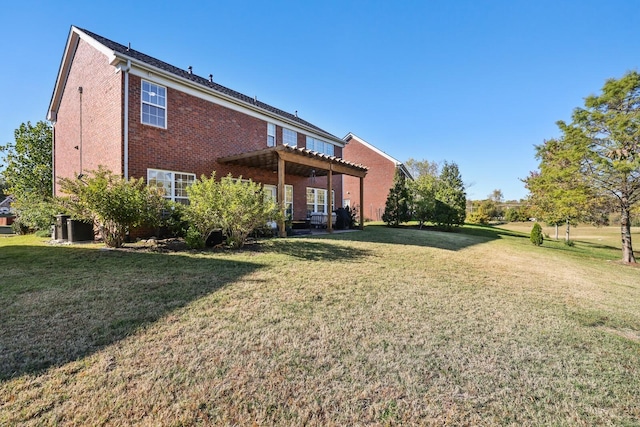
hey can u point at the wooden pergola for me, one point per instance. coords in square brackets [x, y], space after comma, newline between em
[286, 160]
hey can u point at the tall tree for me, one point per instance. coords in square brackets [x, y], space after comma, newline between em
[559, 194]
[397, 209]
[28, 176]
[452, 196]
[419, 168]
[28, 159]
[607, 134]
[424, 189]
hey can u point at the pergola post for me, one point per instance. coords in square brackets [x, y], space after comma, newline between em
[281, 223]
[330, 200]
[361, 203]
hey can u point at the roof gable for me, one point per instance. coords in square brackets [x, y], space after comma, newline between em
[395, 161]
[116, 50]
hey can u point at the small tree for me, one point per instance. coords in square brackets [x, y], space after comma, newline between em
[28, 176]
[451, 193]
[424, 197]
[112, 203]
[536, 235]
[397, 207]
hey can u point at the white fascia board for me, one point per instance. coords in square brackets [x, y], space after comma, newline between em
[63, 72]
[75, 35]
[157, 75]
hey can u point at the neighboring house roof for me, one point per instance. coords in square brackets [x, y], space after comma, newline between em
[5, 205]
[119, 53]
[395, 161]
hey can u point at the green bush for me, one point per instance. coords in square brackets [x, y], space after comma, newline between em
[478, 217]
[33, 213]
[193, 238]
[113, 203]
[235, 206]
[173, 222]
[536, 235]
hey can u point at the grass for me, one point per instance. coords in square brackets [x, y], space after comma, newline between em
[380, 327]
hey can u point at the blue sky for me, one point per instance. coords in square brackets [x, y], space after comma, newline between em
[474, 82]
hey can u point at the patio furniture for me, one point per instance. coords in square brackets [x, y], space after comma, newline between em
[319, 219]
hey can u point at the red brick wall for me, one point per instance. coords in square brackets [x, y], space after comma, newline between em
[377, 183]
[101, 140]
[198, 132]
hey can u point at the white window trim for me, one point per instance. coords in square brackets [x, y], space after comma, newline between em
[324, 205]
[166, 101]
[320, 146]
[271, 127]
[272, 190]
[171, 196]
[293, 133]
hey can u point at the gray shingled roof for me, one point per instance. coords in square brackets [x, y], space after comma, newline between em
[134, 54]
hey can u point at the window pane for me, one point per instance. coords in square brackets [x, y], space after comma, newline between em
[289, 137]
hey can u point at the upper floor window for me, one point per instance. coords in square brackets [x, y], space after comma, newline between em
[271, 135]
[174, 184]
[154, 104]
[320, 146]
[289, 137]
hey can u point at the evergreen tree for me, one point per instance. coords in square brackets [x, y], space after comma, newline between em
[452, 197]
[397, 208]
[536, 235]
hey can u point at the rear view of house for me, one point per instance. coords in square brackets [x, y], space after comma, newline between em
[142, 117]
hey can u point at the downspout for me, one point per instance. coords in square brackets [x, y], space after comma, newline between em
[126, 119]
[53, 159]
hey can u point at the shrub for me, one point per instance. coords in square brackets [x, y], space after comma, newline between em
[112, 203]
[173, 222]
[33, 213]
[478, 217]
[235, 206]
[536, 235]
[193, 238]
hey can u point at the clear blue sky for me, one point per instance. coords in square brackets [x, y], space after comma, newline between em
[474, 82]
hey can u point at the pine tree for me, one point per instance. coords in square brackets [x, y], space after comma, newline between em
[397, 208]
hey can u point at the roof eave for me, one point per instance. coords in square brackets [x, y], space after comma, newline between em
[119, 57]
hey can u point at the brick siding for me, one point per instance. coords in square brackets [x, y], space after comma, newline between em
[101, 139]
[198, 132]
[377, 183]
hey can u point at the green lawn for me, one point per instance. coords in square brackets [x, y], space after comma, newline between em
[380, 327]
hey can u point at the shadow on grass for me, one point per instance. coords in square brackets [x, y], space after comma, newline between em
[453, 240]
[60, 304]
[316, 250]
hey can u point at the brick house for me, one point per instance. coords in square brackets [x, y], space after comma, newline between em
[142, 117]
[381, 170]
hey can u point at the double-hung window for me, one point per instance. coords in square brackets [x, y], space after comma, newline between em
[173, 184]
[289, 137]
[154, 104]
[271, 191]
[317, 200]
[320, 146]
[271, 135]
